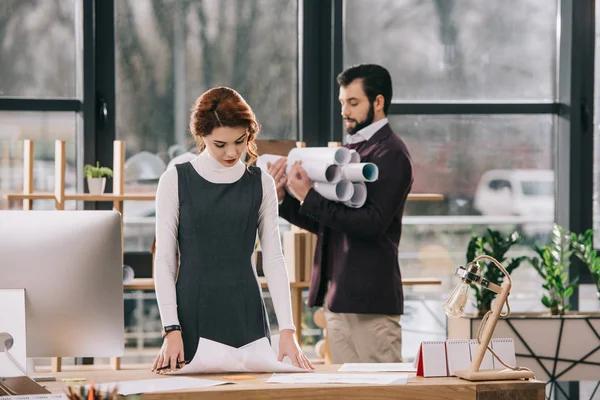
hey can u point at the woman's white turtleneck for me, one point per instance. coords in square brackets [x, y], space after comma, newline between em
[167, 222]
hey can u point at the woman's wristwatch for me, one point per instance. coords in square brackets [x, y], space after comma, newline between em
[170, 328]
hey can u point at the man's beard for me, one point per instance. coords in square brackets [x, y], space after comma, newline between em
[363, 124]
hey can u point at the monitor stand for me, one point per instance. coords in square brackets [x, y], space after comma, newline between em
[13, 349]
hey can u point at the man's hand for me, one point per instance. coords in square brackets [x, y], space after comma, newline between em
[277, 171]
[298, 181]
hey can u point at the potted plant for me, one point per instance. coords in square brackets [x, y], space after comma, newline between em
[552, 266]
[96, 177]
[583, 247]
[495, 244]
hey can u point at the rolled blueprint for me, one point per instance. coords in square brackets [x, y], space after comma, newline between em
[341, 191]
[326, 155]
[262, 160]
[354, 156]
[361, 172]
[317, 171]
[359, 197]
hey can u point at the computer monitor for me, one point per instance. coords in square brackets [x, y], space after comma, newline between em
[70, 265]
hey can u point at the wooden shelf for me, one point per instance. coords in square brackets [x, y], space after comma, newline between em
[148, 283]
[140, 284]
[84, 196]
[425, 197]
[32, 196]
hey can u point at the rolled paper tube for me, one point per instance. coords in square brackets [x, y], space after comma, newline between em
[354, 157]
[262, 160]
[361, 172]
[319, 172]
[326, 155]
[359, 197]
[341, 191]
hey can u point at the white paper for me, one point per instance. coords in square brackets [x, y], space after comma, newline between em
[459, 355]
[328, 155]
[341, 191]
[263, 159]
[12, 302]
[487, 362]
[258, 356]
[434, 359]
[126, 388]
[320, 172]
[505, 349]
[357, 379]
[359, 195]
[377, 367]
[361, 172]
[317, 170]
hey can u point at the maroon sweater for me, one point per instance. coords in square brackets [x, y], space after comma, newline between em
[357, 249]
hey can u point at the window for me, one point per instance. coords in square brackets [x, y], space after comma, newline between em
[457, 50]
[498, 184]
[169, 53]
[468, 159]
[596, 223]
[531, 188]
[37, 48]
[43, 128]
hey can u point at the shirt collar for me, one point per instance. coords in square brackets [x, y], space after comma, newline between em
[208, 161]
[367, 132]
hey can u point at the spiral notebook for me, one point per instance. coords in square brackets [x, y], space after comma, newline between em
[443, 358]
[505, 349]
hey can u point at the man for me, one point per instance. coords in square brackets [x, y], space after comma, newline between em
[356, 272]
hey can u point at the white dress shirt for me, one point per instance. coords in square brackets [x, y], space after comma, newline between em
[167, 222]
[367, 132]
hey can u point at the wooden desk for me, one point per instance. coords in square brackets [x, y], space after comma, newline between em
[415, 389]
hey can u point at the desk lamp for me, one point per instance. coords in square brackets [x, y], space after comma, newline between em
[6, 343]
[455, 306]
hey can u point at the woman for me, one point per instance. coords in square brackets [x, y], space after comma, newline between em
[210, 209]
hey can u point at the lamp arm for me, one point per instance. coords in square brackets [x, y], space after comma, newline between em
[484, 283]
[497, 264]
[489, 321]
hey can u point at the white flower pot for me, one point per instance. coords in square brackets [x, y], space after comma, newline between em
[96, 185]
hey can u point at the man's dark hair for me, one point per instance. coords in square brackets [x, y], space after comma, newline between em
[376, 81]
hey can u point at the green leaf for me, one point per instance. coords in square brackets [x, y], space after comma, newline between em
[568, 292]
[546, 301]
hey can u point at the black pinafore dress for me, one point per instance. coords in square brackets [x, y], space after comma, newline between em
[218, 296]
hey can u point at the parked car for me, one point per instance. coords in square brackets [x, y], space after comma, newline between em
[526, 194]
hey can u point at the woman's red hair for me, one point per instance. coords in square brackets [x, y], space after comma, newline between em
[223, 106]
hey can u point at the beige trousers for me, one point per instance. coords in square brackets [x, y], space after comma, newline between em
[364, 338]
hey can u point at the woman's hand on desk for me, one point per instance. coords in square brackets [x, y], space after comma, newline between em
[170, 354]
[288, 346]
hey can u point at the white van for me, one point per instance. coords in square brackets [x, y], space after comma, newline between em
[524, 193]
